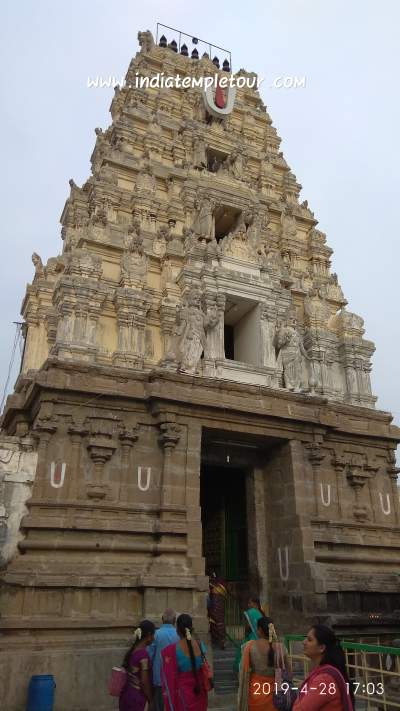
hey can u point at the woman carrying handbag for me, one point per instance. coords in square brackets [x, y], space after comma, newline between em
[262, 663]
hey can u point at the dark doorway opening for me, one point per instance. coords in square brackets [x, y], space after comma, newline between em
[224, 522]
[226, 219]
[229, 342]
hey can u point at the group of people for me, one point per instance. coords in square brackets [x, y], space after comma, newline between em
[167, 669]
[326, 687]
[261, 655]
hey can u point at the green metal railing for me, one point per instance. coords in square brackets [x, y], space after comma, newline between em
[234, 620]
[374, 670]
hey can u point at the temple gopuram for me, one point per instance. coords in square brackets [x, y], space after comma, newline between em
[194, 396]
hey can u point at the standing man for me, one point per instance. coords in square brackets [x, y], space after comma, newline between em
[164, 636]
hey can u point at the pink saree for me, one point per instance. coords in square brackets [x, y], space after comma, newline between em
[178, 687]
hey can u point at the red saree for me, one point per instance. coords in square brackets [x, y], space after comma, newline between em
[314, 692]
[178, 687]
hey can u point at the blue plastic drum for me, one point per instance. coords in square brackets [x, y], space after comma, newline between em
[41, 693]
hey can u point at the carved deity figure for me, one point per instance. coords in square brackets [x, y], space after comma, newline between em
[38, 264]
[334, 290]
[146, 181]
[199, 153]
[291, 353]
[235, 163]
[152, 142]
[257, 220]
[191, 327]
[236, 243]
[204, 222]
[133, 260]
[160, 241]
[288, 223]
[146, 41]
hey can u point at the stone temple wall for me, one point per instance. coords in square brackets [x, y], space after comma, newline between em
[18, 460]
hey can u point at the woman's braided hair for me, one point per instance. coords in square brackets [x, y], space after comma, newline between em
[266, 625]
[184, 625]
[145, 628]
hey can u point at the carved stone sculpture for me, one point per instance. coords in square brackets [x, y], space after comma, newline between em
[145, 181]
[199, 153]
[235, 163]
[38, 264]
[189, 335]
[204, 222]
[291, 353]
[237, 245]
[160, 241]
[288, 223]
[133, 260]
[146, 41]
[82, 263]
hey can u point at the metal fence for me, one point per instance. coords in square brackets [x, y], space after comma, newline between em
[234, 620]
[373, 669]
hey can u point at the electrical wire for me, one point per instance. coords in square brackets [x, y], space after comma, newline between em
[17, 341]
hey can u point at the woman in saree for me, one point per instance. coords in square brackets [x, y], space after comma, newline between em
[253, 613]
[260, 658]
[216, 610]
[183, 672]
[137, 692]
[327, 686]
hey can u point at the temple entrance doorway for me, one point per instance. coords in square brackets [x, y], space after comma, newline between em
[224, 522]
[236, 509]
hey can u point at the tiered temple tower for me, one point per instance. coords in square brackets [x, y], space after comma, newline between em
[194, 394]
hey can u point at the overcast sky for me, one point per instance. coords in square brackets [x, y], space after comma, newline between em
[340, 134]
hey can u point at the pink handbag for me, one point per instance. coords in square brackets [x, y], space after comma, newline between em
[116, 681]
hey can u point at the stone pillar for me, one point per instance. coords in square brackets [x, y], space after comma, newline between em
[193, 465]
[167, 323]
[76, 432]
[316, 457]
[393, 472]
[43, 431]
[169, 436]
[101, 449]
[357, 477]
[128, 439]
[257, 532]
[267, 323]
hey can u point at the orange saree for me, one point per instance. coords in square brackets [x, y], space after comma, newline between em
[255, 690]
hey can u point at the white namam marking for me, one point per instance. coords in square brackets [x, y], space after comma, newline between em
[57, 474]
[146, 486]
[385, 509]
[325, 501]
[284, 573]
[212, 108]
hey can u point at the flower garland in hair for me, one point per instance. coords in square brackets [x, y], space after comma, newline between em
[188, 634]
[272, 636]
[137, 635]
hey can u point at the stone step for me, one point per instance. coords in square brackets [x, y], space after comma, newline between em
[225, 654]
[225, 677]
[223, 661]
[217, 702]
